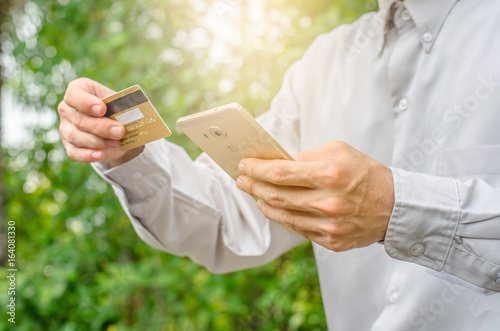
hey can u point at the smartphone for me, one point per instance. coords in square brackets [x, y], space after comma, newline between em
[229, 133]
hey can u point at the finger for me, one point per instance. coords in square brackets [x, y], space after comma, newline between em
[318, 153]
[336, 244]
[285, 197]
[84, 139]
[281, 172]
[83, 154]
[327, 151]
[309, 227]
[85, 95]
[296, 220]
[101, 127]
[309, 235]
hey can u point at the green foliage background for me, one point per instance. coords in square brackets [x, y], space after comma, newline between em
[81, 265]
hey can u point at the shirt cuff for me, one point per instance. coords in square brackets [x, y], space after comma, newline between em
[424, 219]
[141, 177]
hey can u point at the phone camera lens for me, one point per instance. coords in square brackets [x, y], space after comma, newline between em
[217, 132]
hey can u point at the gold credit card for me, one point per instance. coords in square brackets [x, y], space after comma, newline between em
[132, 108]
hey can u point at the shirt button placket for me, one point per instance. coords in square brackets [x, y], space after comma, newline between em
[403, 104]
[405, 15]
[393, 296]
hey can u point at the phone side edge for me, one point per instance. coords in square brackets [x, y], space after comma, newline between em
[263, 131]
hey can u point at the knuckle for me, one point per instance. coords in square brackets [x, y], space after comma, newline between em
[61, 108]
[73, 85]
[338, 144]
[278, 173]
[330, 175]
[102, 126]
[77, 82]
[250, 186]
[95, 142]
[77, 120]
[69, 91]
[329, 206]
[274, 197]
[71, 153]
[65, 146]
[333, 237]
[331, 230]
[337, 147]
[285, 218]
[335, 246]
[71, 134]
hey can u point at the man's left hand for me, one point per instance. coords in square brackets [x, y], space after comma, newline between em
[333, 195]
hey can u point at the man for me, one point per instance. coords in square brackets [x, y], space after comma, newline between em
[415, 87]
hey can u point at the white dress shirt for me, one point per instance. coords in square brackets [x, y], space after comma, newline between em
[415, 86]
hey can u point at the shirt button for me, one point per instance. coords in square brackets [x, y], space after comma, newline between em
[405, 15]
[136, 175]
[403, 104]
[393, 297]
[417, 250]
[497, 281]
[427, 37]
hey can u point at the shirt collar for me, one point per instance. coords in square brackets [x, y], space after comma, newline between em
[427, 15]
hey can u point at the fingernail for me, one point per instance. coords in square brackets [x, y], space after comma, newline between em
[259, 203]
[240, 183]
[96, 110]
[241, 167]
[116, 132]
[97, 155]
[112, 144]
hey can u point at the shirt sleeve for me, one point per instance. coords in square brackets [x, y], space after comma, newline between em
[447, 225]
[194, 209]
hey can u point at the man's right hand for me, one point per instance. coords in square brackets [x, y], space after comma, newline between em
[86, 134]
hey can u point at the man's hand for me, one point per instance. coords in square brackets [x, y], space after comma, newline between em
[86, 134]
[333, 195]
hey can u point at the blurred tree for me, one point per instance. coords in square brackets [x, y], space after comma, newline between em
[81, 265]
